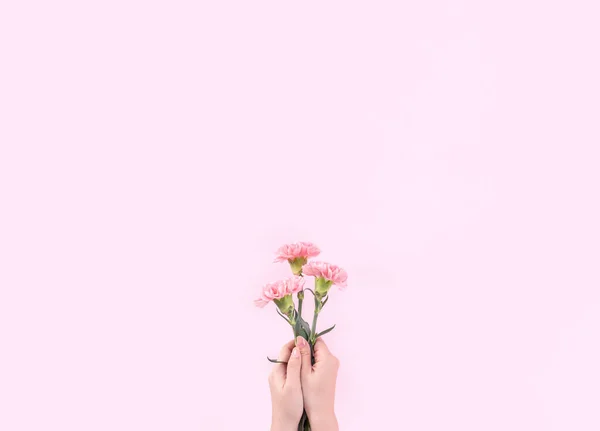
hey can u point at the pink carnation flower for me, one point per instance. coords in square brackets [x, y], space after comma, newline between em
[279, 289]
[296, 250]
[328, 271]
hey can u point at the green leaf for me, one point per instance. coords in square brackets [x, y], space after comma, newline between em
[304, 329]
[325, 331]
[283, 316]
[310, 290]
[276, 361]
[297, 325]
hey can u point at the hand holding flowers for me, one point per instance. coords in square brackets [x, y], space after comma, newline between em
[308, 371]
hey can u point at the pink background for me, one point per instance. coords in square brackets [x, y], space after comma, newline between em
[154, 154]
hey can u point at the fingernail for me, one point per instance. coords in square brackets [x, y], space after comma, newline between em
[301, 342]
[295, 352]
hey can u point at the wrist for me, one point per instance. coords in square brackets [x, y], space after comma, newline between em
[323, 421]
[278, 424]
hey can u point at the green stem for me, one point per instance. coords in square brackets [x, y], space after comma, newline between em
[300, 300]
[304, 425]
[295, 327]
[313, 332]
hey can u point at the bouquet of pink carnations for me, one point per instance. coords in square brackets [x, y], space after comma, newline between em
[281, 293]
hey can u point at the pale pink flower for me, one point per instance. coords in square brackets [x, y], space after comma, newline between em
[261, 302]
[279, 289]
[328, 271]
[296, 250]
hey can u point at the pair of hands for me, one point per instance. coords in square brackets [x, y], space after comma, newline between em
[299, 385]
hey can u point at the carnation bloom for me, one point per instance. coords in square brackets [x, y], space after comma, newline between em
[280, 292]
[325, 275]
[296, 254]
[296, 250]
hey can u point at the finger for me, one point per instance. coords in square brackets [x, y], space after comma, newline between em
[321, 350]
[304, 349]
[279, 370]
[292, 378]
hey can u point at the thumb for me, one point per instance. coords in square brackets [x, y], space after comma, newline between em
[294, 364]
[304, 348]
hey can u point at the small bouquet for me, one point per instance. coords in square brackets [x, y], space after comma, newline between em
[281, 293]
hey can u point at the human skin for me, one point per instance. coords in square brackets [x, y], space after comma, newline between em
[286, 390]
[299, 384]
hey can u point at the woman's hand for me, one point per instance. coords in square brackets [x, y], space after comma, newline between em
[318, 385]
[286, 390]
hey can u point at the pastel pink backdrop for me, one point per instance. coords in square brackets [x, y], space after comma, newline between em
[154, 154]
